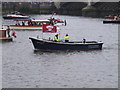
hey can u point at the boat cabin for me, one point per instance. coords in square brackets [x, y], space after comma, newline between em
[30, 22]
[21, 22]
[40, 22]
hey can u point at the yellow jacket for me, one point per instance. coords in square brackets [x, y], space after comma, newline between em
[66, 37]
[56, 39]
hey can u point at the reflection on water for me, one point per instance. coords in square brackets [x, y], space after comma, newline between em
[25, 67]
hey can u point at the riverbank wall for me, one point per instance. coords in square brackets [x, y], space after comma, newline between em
[98, 9]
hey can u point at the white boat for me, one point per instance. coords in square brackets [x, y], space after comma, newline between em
[15, 16]
[30, 24]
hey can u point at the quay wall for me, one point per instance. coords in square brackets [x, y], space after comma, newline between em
[98, 9]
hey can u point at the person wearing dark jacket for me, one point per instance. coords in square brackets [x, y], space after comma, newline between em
[8, 31]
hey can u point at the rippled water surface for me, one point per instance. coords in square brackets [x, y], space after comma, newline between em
[24, 67]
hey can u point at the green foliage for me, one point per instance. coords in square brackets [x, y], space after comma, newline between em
[24, 9]
[28, 8]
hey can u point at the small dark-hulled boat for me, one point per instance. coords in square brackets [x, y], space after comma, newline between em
[47, 45]
[112, 21]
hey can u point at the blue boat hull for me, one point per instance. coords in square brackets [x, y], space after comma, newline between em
[51, 45]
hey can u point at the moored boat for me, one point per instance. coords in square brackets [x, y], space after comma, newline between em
[47, 45]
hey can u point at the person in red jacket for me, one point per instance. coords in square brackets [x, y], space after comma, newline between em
[14, 34]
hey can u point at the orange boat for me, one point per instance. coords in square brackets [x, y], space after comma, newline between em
[3, 35]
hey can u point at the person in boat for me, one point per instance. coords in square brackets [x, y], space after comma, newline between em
[28, 23]
[56, 38]
[52, 21]
[84, 40]
[115, 18]
[8, 31]
[66, 38]
[14, 34]
[23, 24]
[17, 24]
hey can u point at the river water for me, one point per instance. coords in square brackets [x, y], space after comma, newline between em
[22, 67]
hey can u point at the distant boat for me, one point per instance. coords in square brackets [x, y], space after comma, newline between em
[111, 21]
[47, 45]
[3, 35]
[14, 16]
[114, 20]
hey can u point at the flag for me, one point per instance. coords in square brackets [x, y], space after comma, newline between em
[49, 28]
